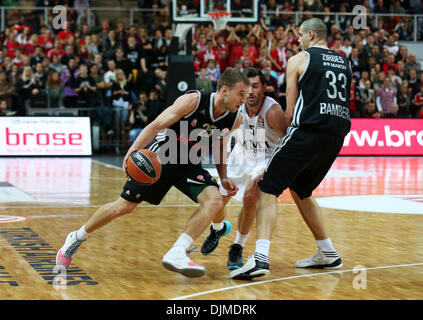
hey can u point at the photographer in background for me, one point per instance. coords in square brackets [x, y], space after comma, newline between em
[138, 119]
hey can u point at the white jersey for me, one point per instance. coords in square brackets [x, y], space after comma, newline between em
[255, 142]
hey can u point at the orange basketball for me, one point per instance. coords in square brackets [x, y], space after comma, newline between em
[143, 166]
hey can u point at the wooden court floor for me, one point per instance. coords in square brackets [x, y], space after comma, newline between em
[373, 207]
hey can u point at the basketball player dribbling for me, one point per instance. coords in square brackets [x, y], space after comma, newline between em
[318, 94]
[264, 123]
[205, 112]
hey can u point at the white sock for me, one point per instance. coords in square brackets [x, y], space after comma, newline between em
[241, 239]
[184, 240]
[263, 246]
[325, 245]
[217, 226]
[81, 234]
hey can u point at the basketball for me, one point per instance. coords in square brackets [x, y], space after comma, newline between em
[143, 166]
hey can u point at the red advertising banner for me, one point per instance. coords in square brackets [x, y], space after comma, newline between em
[384, 137]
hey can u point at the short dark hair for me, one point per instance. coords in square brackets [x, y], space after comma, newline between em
[230, 77]
[254, 72]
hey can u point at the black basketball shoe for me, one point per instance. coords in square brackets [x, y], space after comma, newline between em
[235, 257]
[212, 240]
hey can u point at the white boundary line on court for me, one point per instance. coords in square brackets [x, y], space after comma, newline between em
[291, 277]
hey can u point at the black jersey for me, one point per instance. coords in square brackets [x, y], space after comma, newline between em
[324, 93]
[191, 139]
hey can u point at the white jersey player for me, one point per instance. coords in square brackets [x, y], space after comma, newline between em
[264, 123]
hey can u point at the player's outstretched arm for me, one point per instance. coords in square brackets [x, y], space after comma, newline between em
[182, 106]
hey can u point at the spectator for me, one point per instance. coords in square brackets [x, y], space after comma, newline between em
[109, 47]
[19, 58]
[391, 46]
[69, 54]
[55, 91]
[153, 105]
[160, 85]
[401, 55]
[208, 53]
[371, 111]
[68, 77]
[202, 83]
[404, 102]
[56, 65]
[103, 112]
[63, 35]
[137, 120]
[123, 63]
[133, 52]
[7, 89]
[278, 56]
[401, 70]
[272, 88]
[37, 57]
[378, 82]
[29, 47]
[121, 96]
[386, 96]
[91, 48]
[56, 50]
[396, 80]
[4, 109]
[367, 94]
[23, 90]
[412, 64]
[413, 82]
[85, 87]
[222, 51]
[355, 100]
[356, 65]
[346, 47]
[213, 73]
[377, 55]
[417, 105]
[393, 111]
[109, 78]
[390, 62]
[11, 44]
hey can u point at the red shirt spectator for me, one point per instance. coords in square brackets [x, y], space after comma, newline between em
[222, 51]
[390, 61]
[11, 45]
[279, 56]
[65, 34]
[208, 53]
[248, 56]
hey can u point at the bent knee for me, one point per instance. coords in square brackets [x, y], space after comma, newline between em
[213, 203]
[122, 207]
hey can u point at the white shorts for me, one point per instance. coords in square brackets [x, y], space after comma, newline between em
[241, 174]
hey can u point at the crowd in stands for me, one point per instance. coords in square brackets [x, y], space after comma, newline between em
[123, 67]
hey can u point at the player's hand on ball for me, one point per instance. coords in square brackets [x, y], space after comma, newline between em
[229, 186]
[128, 154]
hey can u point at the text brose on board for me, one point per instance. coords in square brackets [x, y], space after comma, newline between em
[55, 136]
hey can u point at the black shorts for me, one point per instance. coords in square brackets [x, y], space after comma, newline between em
[301, 161]
[189, 179]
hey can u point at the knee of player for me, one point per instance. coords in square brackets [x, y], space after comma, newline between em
[214, 203]
[250, 199]
[122, 209]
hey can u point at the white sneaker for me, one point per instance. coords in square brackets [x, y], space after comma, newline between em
[176, 260]
[65, 254]
[321, 260]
